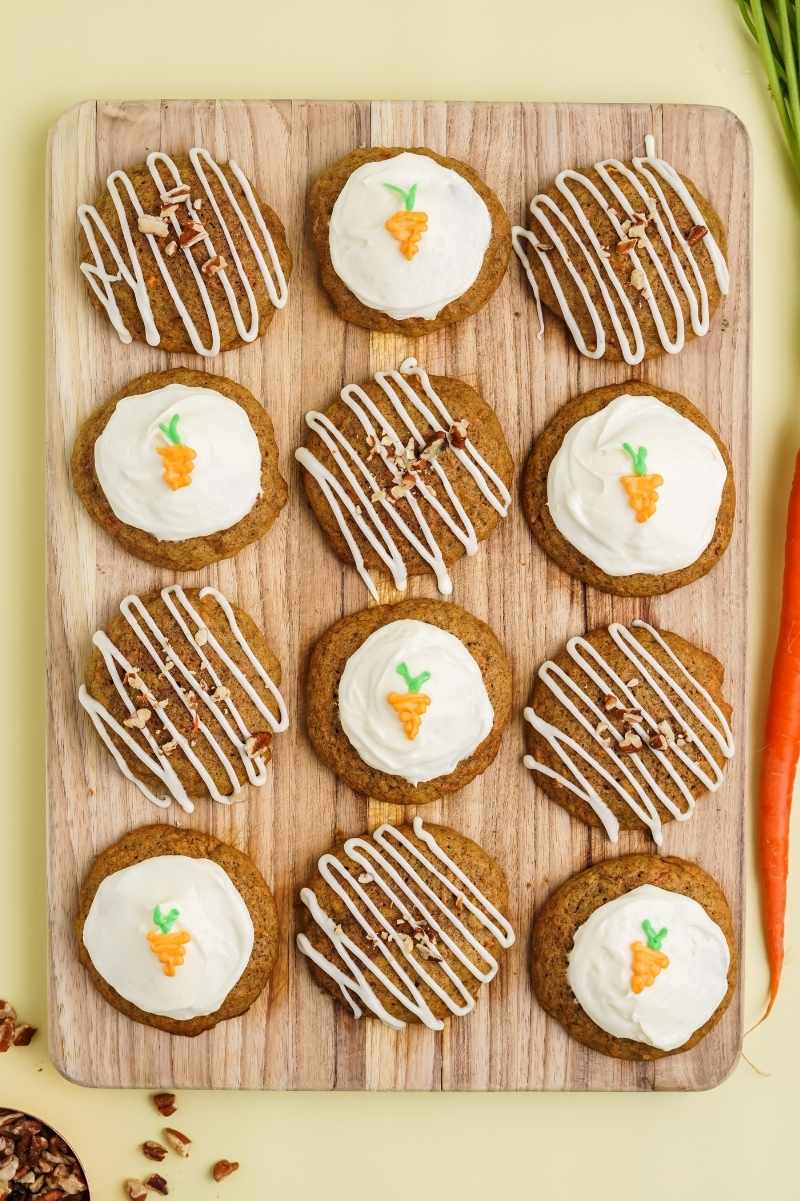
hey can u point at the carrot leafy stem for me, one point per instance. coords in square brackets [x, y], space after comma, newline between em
[775, 27]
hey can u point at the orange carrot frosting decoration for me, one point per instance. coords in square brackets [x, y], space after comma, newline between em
[177, 459]
[410, 706]
[168, 945]
[408, 224]
[641, 488]
[648, 958]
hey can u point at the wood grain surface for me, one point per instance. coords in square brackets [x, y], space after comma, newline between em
[295, 1037]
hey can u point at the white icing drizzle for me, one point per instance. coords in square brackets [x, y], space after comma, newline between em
[129, 267]
[365, 511]
[383, 857]
[640, 789]
[549, 216]
[188, 693]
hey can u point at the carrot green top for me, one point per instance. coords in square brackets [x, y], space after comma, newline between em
[409, 197]
[170, 431]
[413, 683]
[637, 457]
[165, 922]
[654, 937]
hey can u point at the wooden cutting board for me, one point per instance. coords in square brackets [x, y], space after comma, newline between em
[295, 1036]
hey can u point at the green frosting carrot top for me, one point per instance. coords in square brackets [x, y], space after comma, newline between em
[654, 937]
[165, 922]
[413, 683]
[409, 197]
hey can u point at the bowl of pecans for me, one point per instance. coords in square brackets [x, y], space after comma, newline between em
[35, 1161]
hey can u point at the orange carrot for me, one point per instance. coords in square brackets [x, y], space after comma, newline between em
[781, 752]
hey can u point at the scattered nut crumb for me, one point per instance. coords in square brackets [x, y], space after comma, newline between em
[258, 743]
[165, 1102]
[201, 636]
[13, 1033]
[213, 265]
[638, 279]
[179, 1142]
[148, 224]
[139, 719]
[223, 1168]
[630, 743]
[153, 1150]
[695, 234]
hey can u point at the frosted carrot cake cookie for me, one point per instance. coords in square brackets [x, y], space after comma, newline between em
[408, 240]
[630, 489]
[636, 957]
[181, 468]
[176, 929]
[408, 702]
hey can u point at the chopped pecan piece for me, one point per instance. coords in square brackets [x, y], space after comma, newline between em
[178, 1141]
[258, 743]
[223, 1168]
[695, 234]
[149, 224]
[153, 1150]
[158, 1184]
[630, 743]
[165, 1102]
[458, 433]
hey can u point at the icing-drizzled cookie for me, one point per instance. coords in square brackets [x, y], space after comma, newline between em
[406, 924]
[627, 727]
[183, 690]
[406, 474]
[181, 253]
[629, 254]
[408, 240]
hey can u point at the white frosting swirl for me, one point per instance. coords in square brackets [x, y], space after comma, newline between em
[458, 718]
[367, 258]
[211, 910]
[226, 478]
[589, 504]
[683, 996]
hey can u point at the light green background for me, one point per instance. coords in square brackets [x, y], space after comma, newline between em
[735, 1143]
